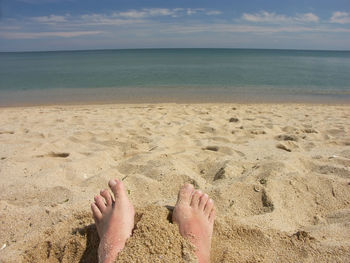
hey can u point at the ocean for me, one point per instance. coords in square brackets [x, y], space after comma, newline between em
[174, 75]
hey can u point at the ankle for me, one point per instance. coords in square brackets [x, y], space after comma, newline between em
[203, 255]
[203, 259]
[110, 255]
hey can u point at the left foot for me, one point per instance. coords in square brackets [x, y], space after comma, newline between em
[114, 220]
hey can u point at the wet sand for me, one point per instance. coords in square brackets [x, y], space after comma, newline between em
[279, 175]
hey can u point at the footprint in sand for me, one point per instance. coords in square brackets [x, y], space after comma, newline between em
[58, 154]
[288, 142]
[257, 132]
[243, 199]
[7, 132]
[221, 149]
[309, 130]
[206, 129]
[286, 137]
[28, 196]
[54, 155]
[327, 169]
[233, 119]
[212, 148]
[219, 139]
[287, 146]
[290, 129]
[212, 170]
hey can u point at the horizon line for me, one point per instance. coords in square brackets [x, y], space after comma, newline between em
[172, 48]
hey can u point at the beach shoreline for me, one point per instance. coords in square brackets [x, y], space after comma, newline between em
[109, 96]
[279, 174]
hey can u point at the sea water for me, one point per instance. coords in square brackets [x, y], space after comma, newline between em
[174, 75]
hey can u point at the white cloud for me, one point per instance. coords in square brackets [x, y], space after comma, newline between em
[49, 19]
[232, 28]
[264, 16]
[34, 35]
[307, 17]
[146, 13]
[175, 12]
[119, 18]
[160, 12]
[100, 19]
[267, 17]
[191, 11]
[144, 23]
[213, 12]
[340, 18]
[132, 14]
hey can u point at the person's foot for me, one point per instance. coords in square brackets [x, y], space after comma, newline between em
[114, 220]
[195, 214]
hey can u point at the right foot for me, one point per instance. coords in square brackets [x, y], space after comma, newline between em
[194, 213]
[114, 220]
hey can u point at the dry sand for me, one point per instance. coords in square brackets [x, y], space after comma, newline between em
[279, 175]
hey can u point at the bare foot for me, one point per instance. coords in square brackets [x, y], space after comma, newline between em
[114, 220]
[195, 214]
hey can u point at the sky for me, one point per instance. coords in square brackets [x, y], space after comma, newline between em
[41, 25]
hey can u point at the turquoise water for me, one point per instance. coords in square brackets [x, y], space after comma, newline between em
[213, 74]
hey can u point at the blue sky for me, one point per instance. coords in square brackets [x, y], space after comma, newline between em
[107, 24]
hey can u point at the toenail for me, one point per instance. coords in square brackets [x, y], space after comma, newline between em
[205, 196]
[199, 192]
[188, 186]
[210, 200]
[112, 182]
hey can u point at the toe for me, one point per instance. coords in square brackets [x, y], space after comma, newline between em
[195, 198]
[100, 203]
[96, 213]
[107, 196]
[203, 201]
[117, 188]
[208, 207]
[212, 215]
[185, 193]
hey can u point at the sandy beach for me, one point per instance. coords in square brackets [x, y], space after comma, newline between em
[279, 175]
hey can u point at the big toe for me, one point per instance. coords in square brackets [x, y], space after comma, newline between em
[117, 188]
[185, 194]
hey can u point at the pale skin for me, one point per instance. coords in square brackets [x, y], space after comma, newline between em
[194, 213]
[114, 220]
